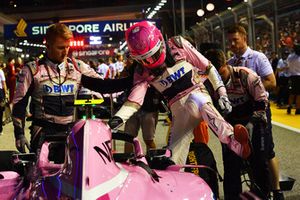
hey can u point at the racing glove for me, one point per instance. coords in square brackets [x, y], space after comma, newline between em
[223, 101]
[115, 122]
[225, 104]
[21, 142]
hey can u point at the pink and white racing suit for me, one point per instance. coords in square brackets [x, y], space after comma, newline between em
[50, 85]
[186, 95]
[246, 94]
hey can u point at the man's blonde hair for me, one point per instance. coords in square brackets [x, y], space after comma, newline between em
[58, 30]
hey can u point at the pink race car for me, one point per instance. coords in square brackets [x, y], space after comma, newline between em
[90, 172]
[89, 169]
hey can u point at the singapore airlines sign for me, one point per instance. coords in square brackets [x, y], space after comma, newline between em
[84, 28]
[88, 28]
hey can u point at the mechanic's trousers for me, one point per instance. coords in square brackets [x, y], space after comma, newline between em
[41, 134]
[234, 166]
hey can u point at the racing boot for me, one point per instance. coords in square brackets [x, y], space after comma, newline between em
[240, 141]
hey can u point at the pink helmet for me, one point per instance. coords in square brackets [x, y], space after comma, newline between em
[146, 44]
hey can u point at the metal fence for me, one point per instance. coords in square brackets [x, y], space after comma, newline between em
[271, 24]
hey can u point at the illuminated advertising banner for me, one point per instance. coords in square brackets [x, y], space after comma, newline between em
[92, 52]
[30, 30]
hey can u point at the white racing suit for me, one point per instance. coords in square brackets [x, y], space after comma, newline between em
[187, 98]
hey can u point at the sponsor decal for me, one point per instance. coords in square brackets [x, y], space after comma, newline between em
[212, 121]
[65, 88]
[237, 99]
[105, 152]
[172, 77]
[193, 161]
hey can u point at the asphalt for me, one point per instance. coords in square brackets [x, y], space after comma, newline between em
[287, 148]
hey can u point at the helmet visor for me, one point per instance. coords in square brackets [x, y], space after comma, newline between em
[151, 56]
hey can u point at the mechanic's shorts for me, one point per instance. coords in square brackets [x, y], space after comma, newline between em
[295, 85]
[269, 135]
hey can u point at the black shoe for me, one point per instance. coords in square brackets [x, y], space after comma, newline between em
[297, 112]
[278, 195]
[289, 109]
[29, 118]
